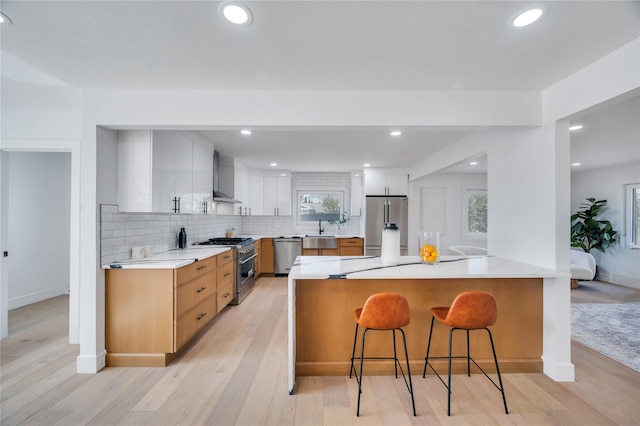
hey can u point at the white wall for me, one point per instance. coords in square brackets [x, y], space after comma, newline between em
[40, 114]
[620, 264]
[38, 210]
[454, 185]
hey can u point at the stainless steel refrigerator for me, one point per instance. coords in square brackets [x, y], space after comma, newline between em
[381, 209]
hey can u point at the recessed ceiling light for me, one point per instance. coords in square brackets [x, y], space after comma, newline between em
[283, 174]
[395, 133]
[236, 13]
[576, 164]
[245, 132]
[576, 127]
[366, 165]
[527, 17]
[4, 19]
[273, 164]
[473, 163]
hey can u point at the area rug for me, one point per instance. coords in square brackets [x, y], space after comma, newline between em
[613, 329]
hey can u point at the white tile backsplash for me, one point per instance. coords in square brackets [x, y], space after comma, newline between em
[121, 231]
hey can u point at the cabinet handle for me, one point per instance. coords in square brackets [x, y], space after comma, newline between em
[202, 315]
[227, 256]
[201, 290]
[227, 274]
[200, 267]
[176, 204]
[227, 295]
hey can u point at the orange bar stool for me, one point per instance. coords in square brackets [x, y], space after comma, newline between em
[471, 310]
[383, 311]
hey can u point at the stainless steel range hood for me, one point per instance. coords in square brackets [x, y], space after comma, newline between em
[219, 197]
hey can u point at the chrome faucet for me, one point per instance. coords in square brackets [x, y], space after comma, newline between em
[320, 228]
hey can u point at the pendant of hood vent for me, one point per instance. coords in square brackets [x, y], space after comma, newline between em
[219, 197]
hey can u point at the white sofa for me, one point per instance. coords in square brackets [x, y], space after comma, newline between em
[583, 267]
[467, 251]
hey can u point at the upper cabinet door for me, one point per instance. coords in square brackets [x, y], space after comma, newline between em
[134, 170]
[283, 199]
[386, 184]
[254, 199]
[202, 178]
[356, 195]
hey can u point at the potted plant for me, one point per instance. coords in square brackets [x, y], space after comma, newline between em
[344, 218]
[589, 233]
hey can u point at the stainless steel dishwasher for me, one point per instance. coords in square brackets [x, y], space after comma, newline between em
[285, 252]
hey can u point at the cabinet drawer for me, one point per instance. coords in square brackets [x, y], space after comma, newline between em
[194, 292]
[196, 318]
[350, 242]
[225, 295]
[225, 275]
[189, 272]
[225, 257]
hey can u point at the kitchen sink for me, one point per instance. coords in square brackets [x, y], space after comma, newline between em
[319, 242]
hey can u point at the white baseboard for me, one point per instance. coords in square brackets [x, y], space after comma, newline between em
[28, 299]
[619, 280]
[91, 364]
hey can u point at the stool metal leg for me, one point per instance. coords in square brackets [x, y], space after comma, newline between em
[364, 333]
[449, 373]
[353, 354]
[426, 357]
[395, 353]
[468, 357]
[406, 354]
[495, 358]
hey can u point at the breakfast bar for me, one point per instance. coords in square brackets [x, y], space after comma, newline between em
[532, 333]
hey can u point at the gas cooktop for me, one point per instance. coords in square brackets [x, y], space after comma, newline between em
[225, 241]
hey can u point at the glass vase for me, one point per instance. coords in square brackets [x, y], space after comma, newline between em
[429, 247]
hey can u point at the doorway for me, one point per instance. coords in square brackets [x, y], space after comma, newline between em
[38, 202]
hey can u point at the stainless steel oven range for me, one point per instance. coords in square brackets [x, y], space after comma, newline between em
[245, 251]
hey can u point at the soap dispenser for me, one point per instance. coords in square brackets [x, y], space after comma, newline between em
[182, 239]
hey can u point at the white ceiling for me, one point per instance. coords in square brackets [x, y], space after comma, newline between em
[318, 45]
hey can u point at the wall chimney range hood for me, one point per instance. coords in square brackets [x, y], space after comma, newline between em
[219, 197]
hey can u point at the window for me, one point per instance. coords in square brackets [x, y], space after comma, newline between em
[633, 215]
[475, 213]
[319, 205]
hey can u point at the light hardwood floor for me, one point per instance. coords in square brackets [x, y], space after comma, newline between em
[235, 373]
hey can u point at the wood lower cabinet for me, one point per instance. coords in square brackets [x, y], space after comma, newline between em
[351, 246]
[152, 313]
[320, 252]
[267, 255]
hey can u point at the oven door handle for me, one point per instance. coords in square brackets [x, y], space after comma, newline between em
[246, 260]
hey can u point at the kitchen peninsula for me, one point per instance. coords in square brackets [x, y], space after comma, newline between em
[532, 333]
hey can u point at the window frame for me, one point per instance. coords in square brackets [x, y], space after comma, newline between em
[632, 189]
[467, 193]
[340, 193]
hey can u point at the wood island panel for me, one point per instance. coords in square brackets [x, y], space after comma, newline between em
[325, 324]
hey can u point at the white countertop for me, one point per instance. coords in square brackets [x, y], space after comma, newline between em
[257, 237]
[322, 267]
[169, 259]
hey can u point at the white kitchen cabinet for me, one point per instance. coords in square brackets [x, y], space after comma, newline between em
[202, 178]
[356, 195]
[267, 195]
[172, 172]
[386, 183]
[254, 204]
[277, 195]
[160, 166]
